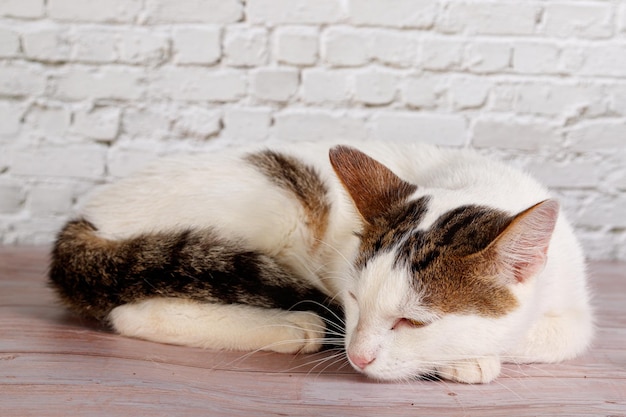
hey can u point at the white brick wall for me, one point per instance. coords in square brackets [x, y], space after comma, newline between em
[91, 89]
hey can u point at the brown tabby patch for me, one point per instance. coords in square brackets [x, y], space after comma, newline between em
[303, 181]
[446, 261]
[387, 231]
[448, 266]
[93, 275]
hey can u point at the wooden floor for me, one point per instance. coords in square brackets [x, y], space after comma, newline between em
[52, 364]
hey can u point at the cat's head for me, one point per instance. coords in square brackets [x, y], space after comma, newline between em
[423, 297]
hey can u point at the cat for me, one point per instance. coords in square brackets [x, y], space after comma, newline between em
[440, 261]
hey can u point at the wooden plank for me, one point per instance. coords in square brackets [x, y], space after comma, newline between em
[143, 380]
[54, 364]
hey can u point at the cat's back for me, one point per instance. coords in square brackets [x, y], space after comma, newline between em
[185, 189]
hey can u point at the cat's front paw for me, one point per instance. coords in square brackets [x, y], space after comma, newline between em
[472, 371]
[303, 333]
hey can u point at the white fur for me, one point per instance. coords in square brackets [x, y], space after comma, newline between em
[553, 321]
[205, 325]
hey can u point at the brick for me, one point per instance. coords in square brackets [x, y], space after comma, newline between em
[94, 10]
[616, 177]
[419, 14]
[491, 18]
[439, 54]
[22, 8]
[9, 43]
[94, 46]
[550, 99]
[619, 245]
[274, 84]
[248, 123]
[197, 122]
[511, 134]
[487, 57]
[424, 91]
[125, 46]
[572, 59]
[6, 158]
[19, 80]
[598, 136]
[440, 129]
[617, 98]
[78, 83]
[7, 228]
[48, 120]
[201, 11]
[48, 43]
[569, 174]
[612, 209]
[12, 197]
[124, 160]
[197, 45]
[273, 12]
[84, 161]
[36, 230]
[394, 48]
[102, 123]
[49, 199]
[296, 45]
[320, 85]
[609, 60]
[469, 93]
[312, 124]
[198, 84]
[375, 87]
[143, 47]
[536, 58]
[585, 20]
[503, 96]
[344, 47]
[11, 115]
[245, 46]
[143, 122]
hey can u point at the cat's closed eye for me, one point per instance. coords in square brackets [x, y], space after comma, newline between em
[409, 322]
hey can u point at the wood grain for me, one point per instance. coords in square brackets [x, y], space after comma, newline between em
[54, 364]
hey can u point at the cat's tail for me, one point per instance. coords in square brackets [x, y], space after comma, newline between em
[93, 274]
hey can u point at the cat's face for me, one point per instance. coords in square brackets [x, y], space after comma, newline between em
[421, 298]
[426, 295]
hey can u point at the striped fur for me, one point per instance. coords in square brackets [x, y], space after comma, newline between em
[94, 275]
[301, 181]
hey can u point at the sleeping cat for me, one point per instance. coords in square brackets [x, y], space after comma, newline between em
[441, 261]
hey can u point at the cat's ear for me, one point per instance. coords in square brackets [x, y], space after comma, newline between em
[520, 251]
[372, 186]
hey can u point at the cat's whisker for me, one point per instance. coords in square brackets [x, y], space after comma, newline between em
[332, 361]
[322, 306]
[337, 251]
[339, 359]
[328, 356]
[314, 362]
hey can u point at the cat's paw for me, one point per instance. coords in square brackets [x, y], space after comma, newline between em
[472, 371]
[302, 333]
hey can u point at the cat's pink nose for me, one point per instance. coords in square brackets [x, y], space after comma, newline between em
[361, 360]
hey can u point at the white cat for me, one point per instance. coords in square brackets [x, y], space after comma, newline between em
[442, 261]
